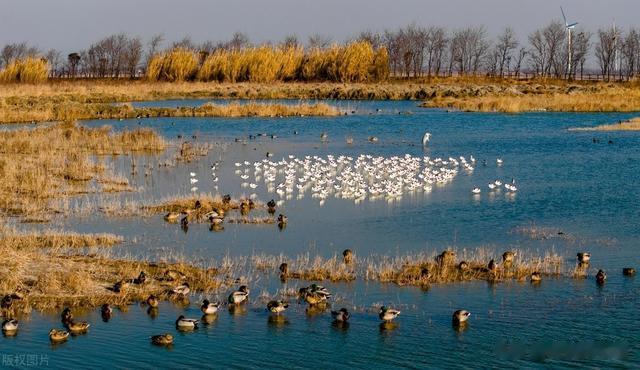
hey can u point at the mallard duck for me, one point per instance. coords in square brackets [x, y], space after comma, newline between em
[584, 257]
[78, 326]
[184, 323]
[536, 277]
[10, 325]
[152, 301]
[463, 266]
[106, 309]
[461, 316]
[388, 314]
[121, 286]
[601, 276]
[319, 289]
[446, 258]
[172, 216]
[7, 301]
[341, 315]
[184, 222]
[282, 219]
[56, 335]
[271, 206]
[277, 307]
[182, 290]
[141, 279]
[209, 308]
[508, 256]
[493, 266]
[66, 316]
[628, 271]
[284, 271]
[347, 254]
[239, 296]
[162, 339]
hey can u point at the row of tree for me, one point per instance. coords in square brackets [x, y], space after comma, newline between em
[410, 51]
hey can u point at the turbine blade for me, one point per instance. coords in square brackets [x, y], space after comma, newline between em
[572, 25]
[563, 16]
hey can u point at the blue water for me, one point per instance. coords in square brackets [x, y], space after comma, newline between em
[565, 180]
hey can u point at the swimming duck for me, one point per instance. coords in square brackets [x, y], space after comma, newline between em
[460, 316]
[184, 222]
[476, 191]
[58, 335]
[162, 339]
[628, 271]
[78, 326]
[106, 309]
[282, 219]
[284, 270]
[10, 325]
[601, 276]
[341, 315]
[320, 290]
[536, 277]
[584, 257]
[209, 308]
[324, 136]
[66, 316]
[184, 323]
[388, 314]
[172, 216]
[349, 140]
[493, 266]
[312, 298]
[347, 254]
[239, 296]
[181, 290]
[152, 301]
[271, 206]
[277, 307]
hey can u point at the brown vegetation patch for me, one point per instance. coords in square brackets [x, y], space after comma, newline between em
[627, 125]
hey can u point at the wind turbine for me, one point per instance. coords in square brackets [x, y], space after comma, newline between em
[569, 28]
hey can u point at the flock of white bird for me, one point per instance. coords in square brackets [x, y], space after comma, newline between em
[355, 178]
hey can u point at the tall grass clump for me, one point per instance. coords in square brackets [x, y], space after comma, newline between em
[29, 70]
[175, 65]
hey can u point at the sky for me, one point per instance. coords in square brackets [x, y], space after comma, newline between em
[70, 25]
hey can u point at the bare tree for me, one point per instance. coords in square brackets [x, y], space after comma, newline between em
[547, 49]
[132, 56]
[393, 49]
[54, 57]
[467, 49]
[631, 53]
[319, 41]
[238, 41]
[290, 41]
[581, 44]
[435, 49]
[153, 46]
[73, 59]
[184, 43]
[15, 51]
[605, 51]
[504, 48]
[374, 38]
[522, 53]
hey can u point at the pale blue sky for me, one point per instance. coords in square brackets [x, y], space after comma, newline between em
[74, 24]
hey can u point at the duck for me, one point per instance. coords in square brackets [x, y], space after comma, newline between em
[172, 216]
[584, 257]
[536, 277]
[181, 290]
[508, 256]
[162, 339]
[184, 323]
[601, 276]
[282, 219]
[209, 308]
[277, 307]
[173, 275]
[226, 199]
[239, 296]
[141, 279]
[66, 316]
[320, 290]
[388, 314]
[312, 298]
[78, 326]
[7, 302]
[342, 315]
[152, 301]
[463, 266]
[120, 286]
[56, 335]
[284, 270]
[493, 266]
[347, 254]
[106, 310]
[461, 316]
[628, 271]
[271, 206]
[10, 325]
[476, 191]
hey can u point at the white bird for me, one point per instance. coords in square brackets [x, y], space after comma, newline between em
[193, 174]
[194, 189]
[253, 186]
[476, 191]
[193, 181]
[426, 138]
[492, 186]
[499, 161]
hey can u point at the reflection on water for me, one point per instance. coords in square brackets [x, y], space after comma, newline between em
[567, 182]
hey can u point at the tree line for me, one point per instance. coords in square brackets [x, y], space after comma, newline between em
[410, 51]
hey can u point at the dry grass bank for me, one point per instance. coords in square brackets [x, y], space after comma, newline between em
[598, 98]
[57, 161]
[628, 125]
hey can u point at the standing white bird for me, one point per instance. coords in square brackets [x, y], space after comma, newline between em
[425, 138]
[193, 174]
